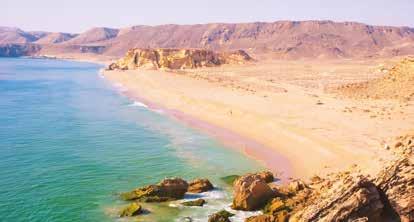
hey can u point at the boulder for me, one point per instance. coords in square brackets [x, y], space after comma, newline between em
[266, 176]
[251, 192]
[131, 210]
[221, 216]
[297, 185]
[230, 179]
[197, 203]
[168, 189]
[265, 218]
[396, 183]
[348, 199]
[199, 186]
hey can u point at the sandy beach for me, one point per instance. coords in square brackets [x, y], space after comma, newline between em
[283, 108]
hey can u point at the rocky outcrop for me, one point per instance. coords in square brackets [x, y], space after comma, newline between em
[355, 197]
[200, 186]
[350, 196]
[131, 210]
[168, 189]
[177, 59]
[221, 216]
[251, 192]
[396, 181]
[192, 203]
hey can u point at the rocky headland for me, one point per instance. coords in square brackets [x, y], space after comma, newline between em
[341, 196]
[177, 59]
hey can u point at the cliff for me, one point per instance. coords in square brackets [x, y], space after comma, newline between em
[178, 59]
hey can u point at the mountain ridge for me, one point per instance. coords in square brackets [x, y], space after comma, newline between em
[283, 39]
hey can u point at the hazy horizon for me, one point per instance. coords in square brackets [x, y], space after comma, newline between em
[78, 16]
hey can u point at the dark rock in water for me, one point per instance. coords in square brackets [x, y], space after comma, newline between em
[200, 185]
[230, 179]
[251, 192]
[221, 216]
[131, 210]
[198, 203]
[168, 189]
[265, 218]
[155, 199]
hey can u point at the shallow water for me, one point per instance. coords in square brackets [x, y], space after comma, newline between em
[69, 142]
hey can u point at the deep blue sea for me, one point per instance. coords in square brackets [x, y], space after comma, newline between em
[70, 142]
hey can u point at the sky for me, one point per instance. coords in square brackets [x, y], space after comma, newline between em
[80, 15]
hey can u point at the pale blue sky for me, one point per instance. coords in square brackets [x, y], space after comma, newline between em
[80, 15]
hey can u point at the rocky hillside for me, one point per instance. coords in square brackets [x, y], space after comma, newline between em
[282, 39]
[178, 59]
[16, 50]
[397, 83]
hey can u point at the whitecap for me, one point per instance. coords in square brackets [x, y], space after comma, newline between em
[139, 104]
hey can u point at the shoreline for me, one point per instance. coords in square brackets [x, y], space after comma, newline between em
[286, 127]
[279, 165]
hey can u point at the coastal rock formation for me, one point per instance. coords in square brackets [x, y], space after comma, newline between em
[177, 59]
[396, 182]
[251, 192]
[350, 196]
[221, 216]
[168, 189]
[397, 83]
[230, 179]
[197, 203]
[131, 210]
[356, 197]
[266, 176]
[199, 186]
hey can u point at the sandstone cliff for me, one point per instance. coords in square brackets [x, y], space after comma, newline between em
[177, 59]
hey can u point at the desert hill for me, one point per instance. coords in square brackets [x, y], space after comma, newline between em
[281, 39]
[397, 83]
[15, 35]
[94, 35]
[55, 37]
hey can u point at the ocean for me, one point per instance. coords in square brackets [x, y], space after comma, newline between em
[70, 142]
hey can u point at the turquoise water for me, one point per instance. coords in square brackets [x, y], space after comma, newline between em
[70, 142]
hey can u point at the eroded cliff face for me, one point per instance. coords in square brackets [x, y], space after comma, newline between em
[177, 59]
